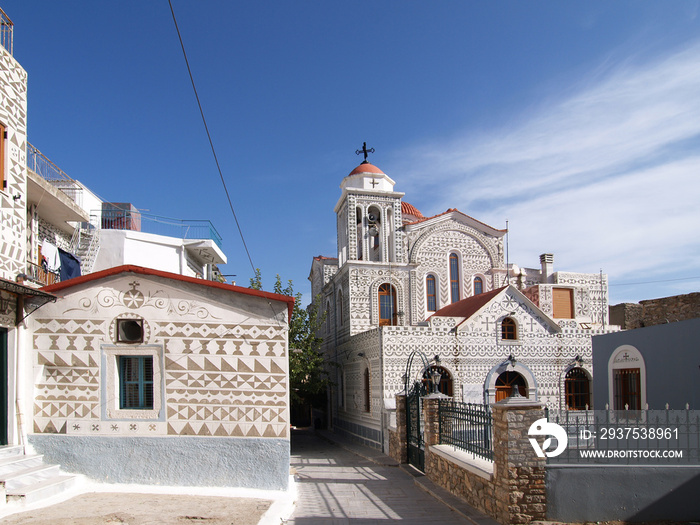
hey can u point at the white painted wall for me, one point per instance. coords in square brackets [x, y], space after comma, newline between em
[119, 247]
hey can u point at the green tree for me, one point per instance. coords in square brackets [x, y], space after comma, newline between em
[256, 282]
[308, 376]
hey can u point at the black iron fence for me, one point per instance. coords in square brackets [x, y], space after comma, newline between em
[467, 426]
[627, 437]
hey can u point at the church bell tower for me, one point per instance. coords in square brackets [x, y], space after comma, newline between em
[369, 216]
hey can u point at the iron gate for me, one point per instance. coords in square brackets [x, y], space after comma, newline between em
[414, 427]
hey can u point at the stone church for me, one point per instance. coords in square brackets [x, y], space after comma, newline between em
[404, 284]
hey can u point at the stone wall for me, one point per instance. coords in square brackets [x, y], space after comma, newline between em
[656, 311]
[510, 489]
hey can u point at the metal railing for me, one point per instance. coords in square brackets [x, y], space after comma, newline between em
[42, 166]
[6, 32]
[467, 426]
[41, 276]
[667, 437]
[118, 219]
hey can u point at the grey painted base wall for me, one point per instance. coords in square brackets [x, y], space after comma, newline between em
[369, 437]
[176, 461]
[577, 494]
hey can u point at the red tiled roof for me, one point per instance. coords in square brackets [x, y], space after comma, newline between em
[450, 211]
[167, 275]
[366, 167]
[469, 306]
[410, 209]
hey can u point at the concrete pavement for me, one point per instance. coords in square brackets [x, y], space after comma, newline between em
[336, 486]
[337, 482]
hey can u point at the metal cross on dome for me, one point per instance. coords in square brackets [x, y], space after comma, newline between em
[364, 150]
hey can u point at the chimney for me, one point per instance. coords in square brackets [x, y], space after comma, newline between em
[547, 262]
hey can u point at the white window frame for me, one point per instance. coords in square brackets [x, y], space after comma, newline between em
[111, 383]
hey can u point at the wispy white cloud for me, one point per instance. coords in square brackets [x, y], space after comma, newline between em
[608, 176]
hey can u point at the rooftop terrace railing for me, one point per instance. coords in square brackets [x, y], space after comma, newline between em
[6, 32]
[118, 219]
[42, 166]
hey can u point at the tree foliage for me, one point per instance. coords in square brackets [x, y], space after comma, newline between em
[308, 376]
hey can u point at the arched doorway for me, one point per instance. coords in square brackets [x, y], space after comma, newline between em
[505, 383]
[445, 386]
[577, 389]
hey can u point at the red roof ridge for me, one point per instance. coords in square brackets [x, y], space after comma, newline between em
[450, 210]
[469, 306]
[126, 268]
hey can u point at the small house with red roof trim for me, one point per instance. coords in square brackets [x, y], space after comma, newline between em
[144, 376]
[403, 282]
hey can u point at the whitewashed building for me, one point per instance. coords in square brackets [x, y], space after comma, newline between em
[440, 285]
[140, 365]
[144, 376]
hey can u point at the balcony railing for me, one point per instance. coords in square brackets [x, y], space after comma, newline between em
[47, 170]
[118, 219]
[41, 276]
[6, 32]
[42, 166]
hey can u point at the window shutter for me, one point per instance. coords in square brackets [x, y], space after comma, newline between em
[563, 303]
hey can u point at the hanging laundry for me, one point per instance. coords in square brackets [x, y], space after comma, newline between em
[50, 252]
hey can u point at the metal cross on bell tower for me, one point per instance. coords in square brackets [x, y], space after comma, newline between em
[365, 151]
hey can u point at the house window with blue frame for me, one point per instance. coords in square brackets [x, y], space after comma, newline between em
[136, 382]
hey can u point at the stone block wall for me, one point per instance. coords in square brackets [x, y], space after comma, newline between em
[656, 311]
[520, 474]
[477, 490]
[511, 489]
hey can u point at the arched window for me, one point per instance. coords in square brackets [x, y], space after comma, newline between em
[478, 285]
[431, 299]
[340, 307]
[577, 390]
[387, 305]
[505, 383]
[509, 330]
[454, 277]
[366, 391]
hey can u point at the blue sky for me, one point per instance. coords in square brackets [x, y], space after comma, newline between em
[576, 122]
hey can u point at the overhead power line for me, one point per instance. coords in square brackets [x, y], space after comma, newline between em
[211, 143]
[654, 282]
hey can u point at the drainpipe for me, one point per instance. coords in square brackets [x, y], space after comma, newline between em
[19, 376]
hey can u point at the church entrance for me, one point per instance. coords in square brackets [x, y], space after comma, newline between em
[505, 383]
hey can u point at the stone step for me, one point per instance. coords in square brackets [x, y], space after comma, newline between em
[11, 464]
[41, 490]
[27, 479]
[28, 476]
[11, 450]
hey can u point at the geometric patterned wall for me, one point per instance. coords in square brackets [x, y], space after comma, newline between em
[223, 353]
[13, 212]
[545, 350]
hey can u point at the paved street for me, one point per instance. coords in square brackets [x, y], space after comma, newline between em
[338, 487]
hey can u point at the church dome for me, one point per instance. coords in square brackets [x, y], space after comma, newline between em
[410, 209]
[366, 167]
